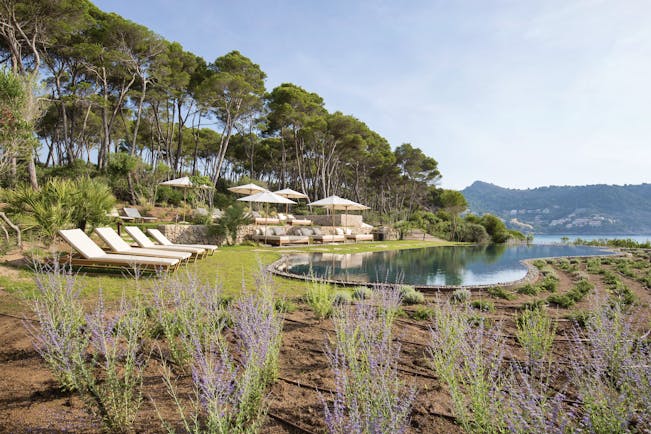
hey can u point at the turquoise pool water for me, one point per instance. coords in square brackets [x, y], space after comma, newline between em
[433, 266]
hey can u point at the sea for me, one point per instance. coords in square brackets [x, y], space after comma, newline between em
[555, 239]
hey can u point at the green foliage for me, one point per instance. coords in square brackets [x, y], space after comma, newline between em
[227, 226]
[528, 289]
[535, 334]
[342, 296]
[483, 305]
[533, 304]
[495, 228]
[423, 313]
[362, 293]
[549, 283]
[409, 295]
[320, 299]
[60, 204]
[500, 292]
[574, 295]
[461, 295]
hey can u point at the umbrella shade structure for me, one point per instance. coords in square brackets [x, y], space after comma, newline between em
[183, 183]
[290, 194]
[247, 189]
[266, 197]
[338, 203]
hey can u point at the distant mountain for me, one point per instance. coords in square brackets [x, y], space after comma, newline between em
[590, 209]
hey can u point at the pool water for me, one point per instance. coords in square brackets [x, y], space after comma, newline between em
[433, 266]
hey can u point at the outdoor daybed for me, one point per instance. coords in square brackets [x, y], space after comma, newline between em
[94, 256]
[278, 236]
[317, 236]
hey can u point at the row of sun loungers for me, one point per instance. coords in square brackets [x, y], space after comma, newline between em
[164, 256]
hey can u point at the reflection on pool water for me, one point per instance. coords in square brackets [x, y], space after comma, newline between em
[432, 266]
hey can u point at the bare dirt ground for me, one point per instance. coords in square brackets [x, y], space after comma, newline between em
[31, 400]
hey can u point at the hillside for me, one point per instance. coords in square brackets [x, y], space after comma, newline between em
[590, 209]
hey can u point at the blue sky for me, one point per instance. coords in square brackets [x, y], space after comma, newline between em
[516, 93]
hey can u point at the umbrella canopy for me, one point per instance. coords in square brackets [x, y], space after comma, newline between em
[183, 182]
[247, 189]
[335, 202]
[266, 197]
[288, 192]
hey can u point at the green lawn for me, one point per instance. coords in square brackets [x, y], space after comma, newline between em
[233, 267]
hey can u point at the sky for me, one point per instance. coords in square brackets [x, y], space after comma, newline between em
[516, 93]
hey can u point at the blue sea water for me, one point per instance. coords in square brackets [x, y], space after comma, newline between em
[555, 239]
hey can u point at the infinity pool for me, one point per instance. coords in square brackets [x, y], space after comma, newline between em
[433, 266]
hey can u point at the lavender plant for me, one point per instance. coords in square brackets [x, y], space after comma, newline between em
[231, 381]
[612, 374]
[320, 299]
[468, 360]
[115, 342]
[182, 302]
[370, 397]
[535, 333]
[59, 338]
[97, 355]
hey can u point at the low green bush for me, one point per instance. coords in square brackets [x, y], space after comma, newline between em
[483, 305]
[549, 283]
[499, 292]
[362, 293]
[461, 295]
[528, 289]
[423, 313]
[320, 299]
[409, 295]
[533, 305]
[342, 297]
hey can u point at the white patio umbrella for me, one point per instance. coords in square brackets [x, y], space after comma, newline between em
[338, 203]
[184, 182]
[247, 189]
[266, 197]
[290, 194]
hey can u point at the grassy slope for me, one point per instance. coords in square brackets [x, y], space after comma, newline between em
[232, 267]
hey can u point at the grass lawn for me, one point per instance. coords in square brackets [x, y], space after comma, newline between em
[232, 267]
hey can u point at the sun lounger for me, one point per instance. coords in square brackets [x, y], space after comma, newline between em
[143, 241]
[266, 221]
[94, 256]
[359, 237]
[121, 247]
[115, 214]
[162, 239]
[135, 214]
[298, 222]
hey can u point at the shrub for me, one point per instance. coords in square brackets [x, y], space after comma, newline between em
[500, 292]
[362, 293]
[528, 289]
[342, 297]
[369, 394]
[423, 313]
[227, 226]
[533, 304]
[539, 264]
[320, 299]
[461, 295]
[230, 382]
[103, 360]
[535, 333]
[549, 283]
[409, 295]
[62, 203]
[483, 305]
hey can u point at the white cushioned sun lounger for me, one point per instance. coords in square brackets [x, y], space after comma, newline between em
[144, 242]
[135, 214]
[159, 237]
[119, 246]
[94, 256]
